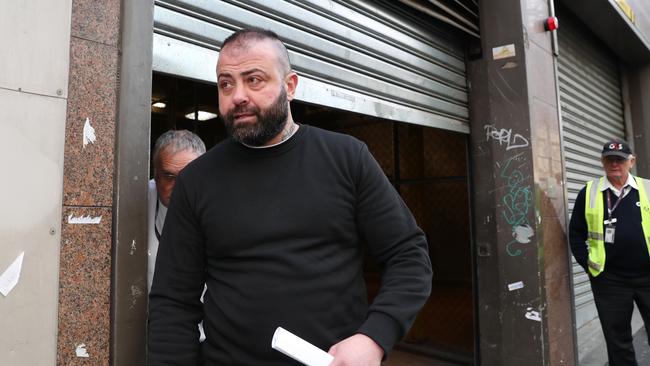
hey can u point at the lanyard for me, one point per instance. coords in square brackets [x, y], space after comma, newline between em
[611, 209]
[155, 227]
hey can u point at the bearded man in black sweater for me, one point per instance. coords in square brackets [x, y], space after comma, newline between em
[272, 220]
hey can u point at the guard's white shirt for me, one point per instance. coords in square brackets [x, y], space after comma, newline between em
[630, 182]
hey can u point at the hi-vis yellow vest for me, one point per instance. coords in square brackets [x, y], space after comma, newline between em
[594, 214]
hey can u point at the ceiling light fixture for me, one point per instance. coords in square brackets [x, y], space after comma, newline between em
[202, 116]
[160, 105]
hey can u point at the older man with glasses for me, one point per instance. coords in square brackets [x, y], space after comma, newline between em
[173, 150]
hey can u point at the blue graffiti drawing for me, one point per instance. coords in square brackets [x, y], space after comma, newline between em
[517, 202]
[512, 253]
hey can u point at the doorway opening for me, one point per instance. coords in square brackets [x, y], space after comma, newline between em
[427, 166]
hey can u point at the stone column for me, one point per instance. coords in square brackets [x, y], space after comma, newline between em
[86, 242]
[523, 269]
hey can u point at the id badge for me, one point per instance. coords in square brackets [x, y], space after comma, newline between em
[609, 235]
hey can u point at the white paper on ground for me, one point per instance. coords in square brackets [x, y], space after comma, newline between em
[299, 349]
[10, 277]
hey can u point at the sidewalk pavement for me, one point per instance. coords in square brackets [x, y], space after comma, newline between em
[641, 347]
[593, 352]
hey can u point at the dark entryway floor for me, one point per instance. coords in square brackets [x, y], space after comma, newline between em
[401, 358]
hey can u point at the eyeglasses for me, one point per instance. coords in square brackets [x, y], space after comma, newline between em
[169, 177]
[615, 159]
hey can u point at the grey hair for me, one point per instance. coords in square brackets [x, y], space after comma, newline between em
[175, 141]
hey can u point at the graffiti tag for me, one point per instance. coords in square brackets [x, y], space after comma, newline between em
[517, 201]
[505, 136]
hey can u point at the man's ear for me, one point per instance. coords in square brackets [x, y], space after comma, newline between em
[291, 83]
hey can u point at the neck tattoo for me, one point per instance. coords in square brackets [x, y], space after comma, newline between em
[288, 132]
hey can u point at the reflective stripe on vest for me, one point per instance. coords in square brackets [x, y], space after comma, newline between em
[596, 236]
[644, 188]
[594, 214]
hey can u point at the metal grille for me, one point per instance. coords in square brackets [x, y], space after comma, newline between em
[378, 135]
[428, 168]
[460, 14]
[592, 113]
[441, 209]
[431, 178]
[354, 55]
[429, 153]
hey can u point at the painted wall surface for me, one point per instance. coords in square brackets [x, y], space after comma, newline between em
[35, 35]
[641, 10]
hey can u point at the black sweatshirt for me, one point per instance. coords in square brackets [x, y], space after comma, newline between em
[277, 235]
[628, 255]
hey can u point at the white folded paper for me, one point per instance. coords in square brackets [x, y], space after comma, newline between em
[299, 349]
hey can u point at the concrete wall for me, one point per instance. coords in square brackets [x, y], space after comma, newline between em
[35, 35]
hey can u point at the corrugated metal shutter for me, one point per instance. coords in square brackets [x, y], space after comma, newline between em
[354, 55]
[592, 113]
[460, 14]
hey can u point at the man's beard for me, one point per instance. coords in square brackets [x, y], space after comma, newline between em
[268, 125]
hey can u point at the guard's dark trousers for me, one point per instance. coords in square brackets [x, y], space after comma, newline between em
[614, 296]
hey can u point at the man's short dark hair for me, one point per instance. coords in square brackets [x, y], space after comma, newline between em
[242, 37]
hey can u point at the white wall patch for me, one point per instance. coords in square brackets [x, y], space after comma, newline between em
[81, 351]
[84, 219]
[9, 278]
[522, 233]
[504, 51]
[89, 133]
[516, 286]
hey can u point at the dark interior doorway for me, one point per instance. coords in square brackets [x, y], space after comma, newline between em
[427, 166]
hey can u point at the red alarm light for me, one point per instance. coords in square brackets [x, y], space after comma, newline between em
[551, 24]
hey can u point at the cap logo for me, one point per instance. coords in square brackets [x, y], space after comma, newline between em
[616, 146]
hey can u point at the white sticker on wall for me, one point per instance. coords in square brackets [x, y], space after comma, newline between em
[9, 278]
[533, 315]
[516, 286]
[81, 351]
[89, 133]
[506, 51]
[522, 233]
[84, 219]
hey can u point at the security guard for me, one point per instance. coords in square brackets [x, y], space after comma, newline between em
[610, 238]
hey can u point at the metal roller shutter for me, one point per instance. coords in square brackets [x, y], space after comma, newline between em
[354, 55]
[592, 112]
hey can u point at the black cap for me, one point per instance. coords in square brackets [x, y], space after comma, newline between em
[617, 148]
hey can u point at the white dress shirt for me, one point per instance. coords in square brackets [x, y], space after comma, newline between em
[630, 182]
[156, 220]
